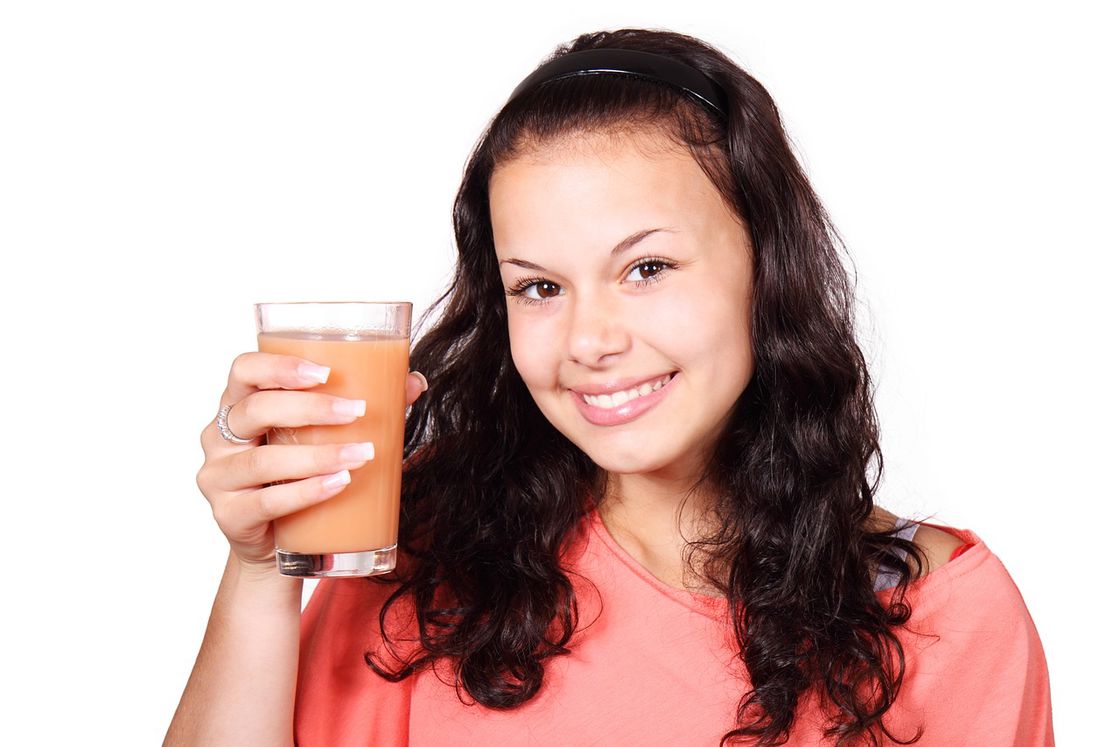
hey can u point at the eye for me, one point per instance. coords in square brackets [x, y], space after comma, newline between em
[649, 270]
[545, 289]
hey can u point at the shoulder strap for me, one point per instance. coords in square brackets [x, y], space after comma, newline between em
[903, 529]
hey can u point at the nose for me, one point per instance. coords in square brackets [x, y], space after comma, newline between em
[596, 331]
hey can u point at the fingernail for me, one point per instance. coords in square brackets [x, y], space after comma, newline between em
[311, 372]
[423, 379]
[353, 408]
[362, 452]
[338, 479]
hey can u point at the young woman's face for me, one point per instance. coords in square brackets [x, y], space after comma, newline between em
[628, 269]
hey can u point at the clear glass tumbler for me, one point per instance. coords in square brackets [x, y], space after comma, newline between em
[353, 533]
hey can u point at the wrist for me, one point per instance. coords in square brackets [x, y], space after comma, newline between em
[260, 572]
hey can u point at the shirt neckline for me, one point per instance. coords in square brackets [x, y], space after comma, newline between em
[711, 606]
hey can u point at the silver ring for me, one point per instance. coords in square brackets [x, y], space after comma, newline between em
[223, 428]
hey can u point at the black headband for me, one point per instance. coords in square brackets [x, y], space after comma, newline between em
[645, 65]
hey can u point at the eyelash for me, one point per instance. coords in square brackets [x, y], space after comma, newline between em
[523, 284]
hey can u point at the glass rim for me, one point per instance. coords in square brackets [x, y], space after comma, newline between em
[335, 317]
[332, 303]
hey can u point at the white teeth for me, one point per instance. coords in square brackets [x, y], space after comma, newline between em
[609, 401]
[601, 400]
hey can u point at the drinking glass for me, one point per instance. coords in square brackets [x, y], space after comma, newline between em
[365, 344]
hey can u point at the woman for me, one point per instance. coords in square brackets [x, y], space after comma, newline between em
[636, 506]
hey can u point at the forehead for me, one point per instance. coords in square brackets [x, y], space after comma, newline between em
[593, 186]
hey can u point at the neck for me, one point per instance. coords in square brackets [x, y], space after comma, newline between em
[654, 521]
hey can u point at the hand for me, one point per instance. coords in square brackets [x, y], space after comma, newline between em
[239, 480]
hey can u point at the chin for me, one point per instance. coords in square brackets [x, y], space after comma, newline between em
[621, 463]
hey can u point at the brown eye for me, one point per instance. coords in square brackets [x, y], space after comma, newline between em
[649, 270]
[534, 290]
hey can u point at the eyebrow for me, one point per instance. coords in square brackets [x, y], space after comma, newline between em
[619, 248]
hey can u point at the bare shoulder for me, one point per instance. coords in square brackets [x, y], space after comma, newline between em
[936, 544]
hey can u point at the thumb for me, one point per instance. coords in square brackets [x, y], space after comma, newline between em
[414, 385]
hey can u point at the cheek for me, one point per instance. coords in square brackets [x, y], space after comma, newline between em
[530, 350]
[705, 328]
[703, 316]
[730, 333]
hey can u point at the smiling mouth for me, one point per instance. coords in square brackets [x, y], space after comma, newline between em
[617, 399]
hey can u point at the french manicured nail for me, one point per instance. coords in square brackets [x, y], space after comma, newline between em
[423, 379]
[349, 408]
[362, 452]
[311, 372]
[337, 480]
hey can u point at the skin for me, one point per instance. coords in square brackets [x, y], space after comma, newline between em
[563, 207]
[582, 315]
[242, 687]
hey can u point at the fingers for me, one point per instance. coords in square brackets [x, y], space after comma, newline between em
[250, 485]
[253, 371]
[252, 468]
[264, 410]
[242, 513]
[414, 385]
[260, 401]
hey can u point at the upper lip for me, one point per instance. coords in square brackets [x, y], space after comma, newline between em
[619, 385]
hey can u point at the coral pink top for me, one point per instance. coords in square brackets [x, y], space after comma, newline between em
[656, 665]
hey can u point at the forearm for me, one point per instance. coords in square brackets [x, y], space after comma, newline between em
[242, 688]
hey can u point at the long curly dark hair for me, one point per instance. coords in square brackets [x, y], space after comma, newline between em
[492, 491]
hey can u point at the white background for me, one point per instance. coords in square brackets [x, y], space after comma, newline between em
[164, 166]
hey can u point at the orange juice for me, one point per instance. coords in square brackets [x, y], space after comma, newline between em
[364, 515]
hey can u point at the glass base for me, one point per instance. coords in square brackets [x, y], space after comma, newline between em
[338, 564]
